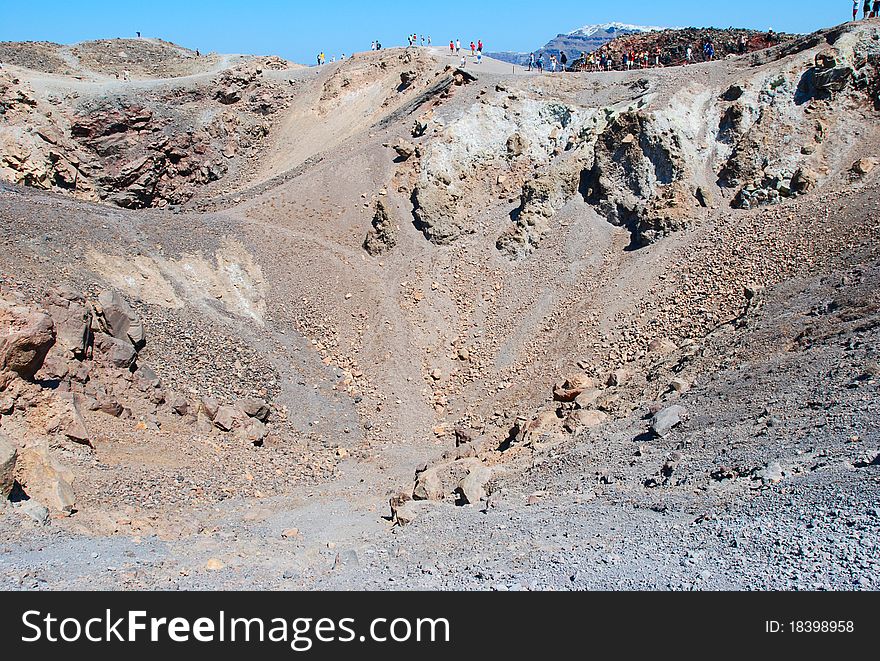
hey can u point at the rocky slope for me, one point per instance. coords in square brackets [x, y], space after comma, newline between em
[596, 330]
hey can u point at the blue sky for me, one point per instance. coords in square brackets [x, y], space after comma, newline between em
[298, 30]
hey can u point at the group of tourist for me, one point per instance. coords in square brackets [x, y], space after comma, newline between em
[322, 58]
[476, 50]
[414, 39]
[869, 9]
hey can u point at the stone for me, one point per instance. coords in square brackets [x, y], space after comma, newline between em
[517, 145]
[68, 419]
[178, 404]
[255, 431]
[472, 488]
[227, 418]
[383, 236]
[584, 419]
[827, 59]
[118, 353]
[26, 336]
[832, 80]
[680, 385]
[110, 406]
[771, 474]
[804, 180]
[406, 513]
[291, 533]
[429, 486]
[214, 564]
[864, 166]
[733, 93]
[405, 149]
[47, 480]
[35, 511]
[662, 346]
[121, 320]
[8, 457]
[588, 399]
[572, 387]
[667, 419]
[619, 377]
[546, 422]
[73, 324]
[254, 407]
[209, 407]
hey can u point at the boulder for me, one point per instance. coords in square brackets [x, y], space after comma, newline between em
[122, 321]
[383, 236]
[68, 420]
[46, 480]
[227, 418]
[619, 377]
[228, 95]
[584, 419]
[568, 390]
[827, 59]
[178, 404]
[680, 385]
[209, 407]
[26, 336]
[546, 422]
[864, 166]
[73, 323]
[588, 399]
[8, 457]
[254, 431]
[804, 180]
[109, 406]
[35, 511]
[472, 488]
[667, 419]
[832, 80]
[662, 347]
[733, 93]
[253, 407]
[115, 352]
[429, 486]
[517, 145]
[405, 149]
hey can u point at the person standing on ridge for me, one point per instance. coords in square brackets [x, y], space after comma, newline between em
[479, 57]
[531, 61]
[563, 58]
[429, 41]
[875, 9]
[473, 49]
[458, 45]
[452, 47]
[866, 9]
[480, 45]
[855, 9]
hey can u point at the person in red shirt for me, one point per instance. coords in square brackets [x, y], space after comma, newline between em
[452, 47]
[473, 48]
[480, 45]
